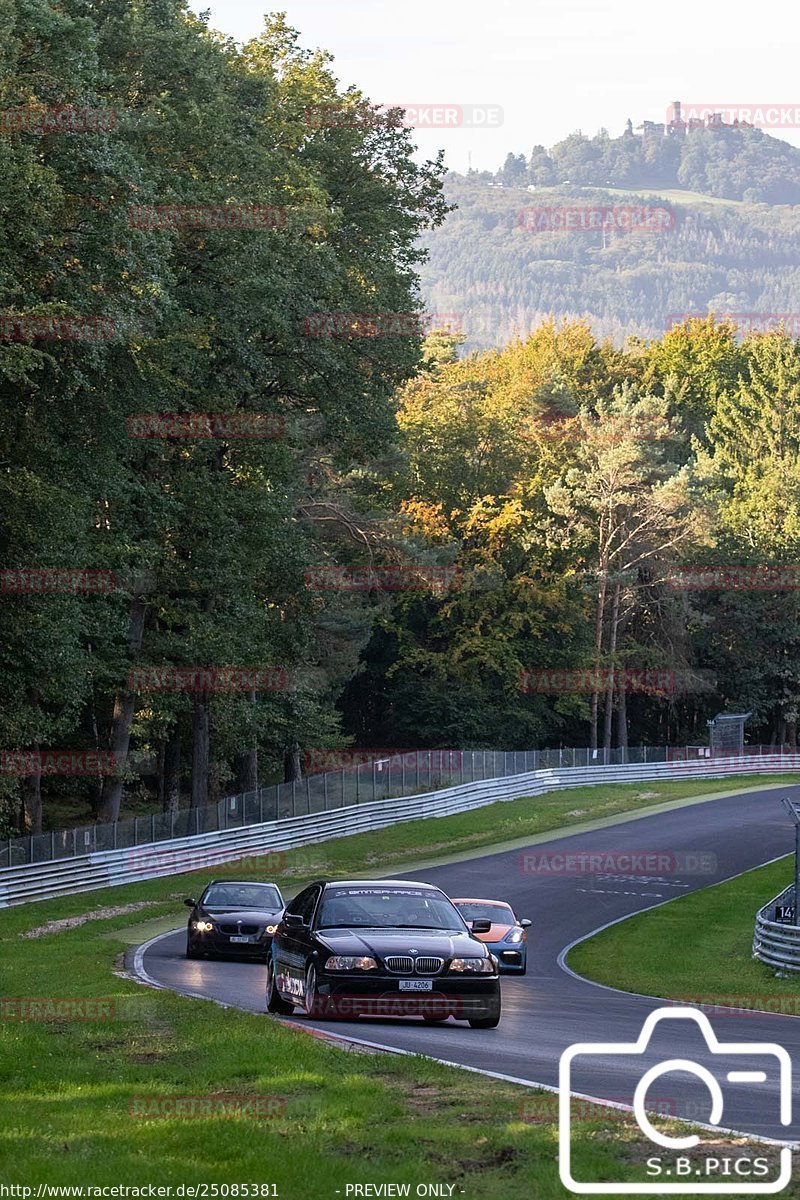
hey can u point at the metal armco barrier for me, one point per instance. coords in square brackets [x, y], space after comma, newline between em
[87, 873]
[777, 943]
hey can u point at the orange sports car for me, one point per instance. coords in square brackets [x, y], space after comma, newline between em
[507, 939]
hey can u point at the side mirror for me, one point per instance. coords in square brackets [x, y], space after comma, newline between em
[293, 920]
[525, 923]
[481, 925]
[190, 903]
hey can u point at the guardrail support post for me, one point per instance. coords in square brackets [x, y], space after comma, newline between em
[135, 832]
[52, 843]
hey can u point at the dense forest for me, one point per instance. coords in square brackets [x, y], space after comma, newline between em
[248, 510]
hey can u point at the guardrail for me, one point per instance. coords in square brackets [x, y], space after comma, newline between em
[42, 881]
[405, 773]
[777, 943]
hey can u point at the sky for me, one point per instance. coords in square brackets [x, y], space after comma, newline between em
[537, 71]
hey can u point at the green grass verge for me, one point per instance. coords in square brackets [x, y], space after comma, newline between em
[698, 946]
[78, 1098]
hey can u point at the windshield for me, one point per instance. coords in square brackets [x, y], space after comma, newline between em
[242, 895]
[395, 908]
[498, 914]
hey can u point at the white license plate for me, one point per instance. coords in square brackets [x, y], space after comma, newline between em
[416, 985]
[243, 939]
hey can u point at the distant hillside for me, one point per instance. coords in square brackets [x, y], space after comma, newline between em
[493, 265]
[733, 163]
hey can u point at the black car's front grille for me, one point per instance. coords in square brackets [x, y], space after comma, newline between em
[429, 966]
[235, 930]
[406, 965]
[400, 962]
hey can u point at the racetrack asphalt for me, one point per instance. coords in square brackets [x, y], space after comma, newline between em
[550, 1008]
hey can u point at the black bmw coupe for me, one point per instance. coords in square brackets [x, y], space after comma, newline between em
[381, 948]
[233, 918]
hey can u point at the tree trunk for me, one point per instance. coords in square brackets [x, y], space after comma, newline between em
[609, 713]
[201, 744]
[172, 771]
[96, 782]
[247, 764]
[124, 708]
[31, 803]
[622, 722]
[598, 652]
[292, 768]
[791, 730]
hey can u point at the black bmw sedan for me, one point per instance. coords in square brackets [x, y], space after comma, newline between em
[233, 918]
[381, 948]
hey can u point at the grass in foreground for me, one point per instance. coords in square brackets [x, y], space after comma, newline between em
[93, 1102]
[698, 946]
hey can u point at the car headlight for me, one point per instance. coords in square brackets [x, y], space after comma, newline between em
[203, 926]
[350, 962]
[473, 966]
[516, 936]
[271, 928]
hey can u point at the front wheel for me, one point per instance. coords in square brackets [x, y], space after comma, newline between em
[275, 1001]
[491, 1020]
[191, 952]
[485, 1022]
